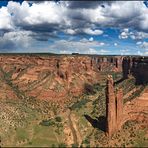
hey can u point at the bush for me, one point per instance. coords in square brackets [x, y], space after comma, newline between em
[47, 122]
[58, 119]
[30, 143]
[79, 104]
[53, 145]
[89, 90]
[74, 145]
[62, 145]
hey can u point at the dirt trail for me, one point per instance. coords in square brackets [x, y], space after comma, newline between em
[75, 139]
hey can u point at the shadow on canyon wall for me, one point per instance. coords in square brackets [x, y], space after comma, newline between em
[137, 67]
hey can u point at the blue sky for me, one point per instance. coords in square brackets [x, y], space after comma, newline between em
[89, 27]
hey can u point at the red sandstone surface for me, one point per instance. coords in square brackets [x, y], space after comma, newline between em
[118, 113]
[52, 77]
[137, 108]
[61, 77]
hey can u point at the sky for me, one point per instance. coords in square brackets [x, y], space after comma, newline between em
[65, 27]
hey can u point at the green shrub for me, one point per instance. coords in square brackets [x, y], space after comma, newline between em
[74, 145]
[62, 145]
[79, 104]
[47, 122]
[58, 119]
[53, 145]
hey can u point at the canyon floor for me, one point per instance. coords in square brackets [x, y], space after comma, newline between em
[77, 121]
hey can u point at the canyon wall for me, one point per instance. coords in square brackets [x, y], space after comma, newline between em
[53, 77]
[140, 70]
[57, 77]
[118, 113]
[137, 67]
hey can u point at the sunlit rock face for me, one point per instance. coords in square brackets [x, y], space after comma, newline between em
[110, 107]
[54, 77]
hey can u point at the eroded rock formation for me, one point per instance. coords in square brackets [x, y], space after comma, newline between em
[126, 67]
[140, 70]
[119, 108]
[111, 107]
[137, 67]
[118, 113]
[53, 77]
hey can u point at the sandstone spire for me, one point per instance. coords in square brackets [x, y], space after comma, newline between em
[111, 107]
[119, 109]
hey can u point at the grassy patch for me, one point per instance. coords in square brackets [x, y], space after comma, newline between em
[141, 140]
[21, 134]
[42, 142]
[79, 104]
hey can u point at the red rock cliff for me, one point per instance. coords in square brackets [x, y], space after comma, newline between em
[53, 77]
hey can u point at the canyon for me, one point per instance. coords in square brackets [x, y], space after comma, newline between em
[58, 77]
[92, 96]
[55, 77]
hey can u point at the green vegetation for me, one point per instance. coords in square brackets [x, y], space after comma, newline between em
[135, 94]
[141, 140]
[79, 104]
[21, 134]
[74, 145]
[58, 119]
[42, 123]
[62, 145]
[116, 75]
[47, 122]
